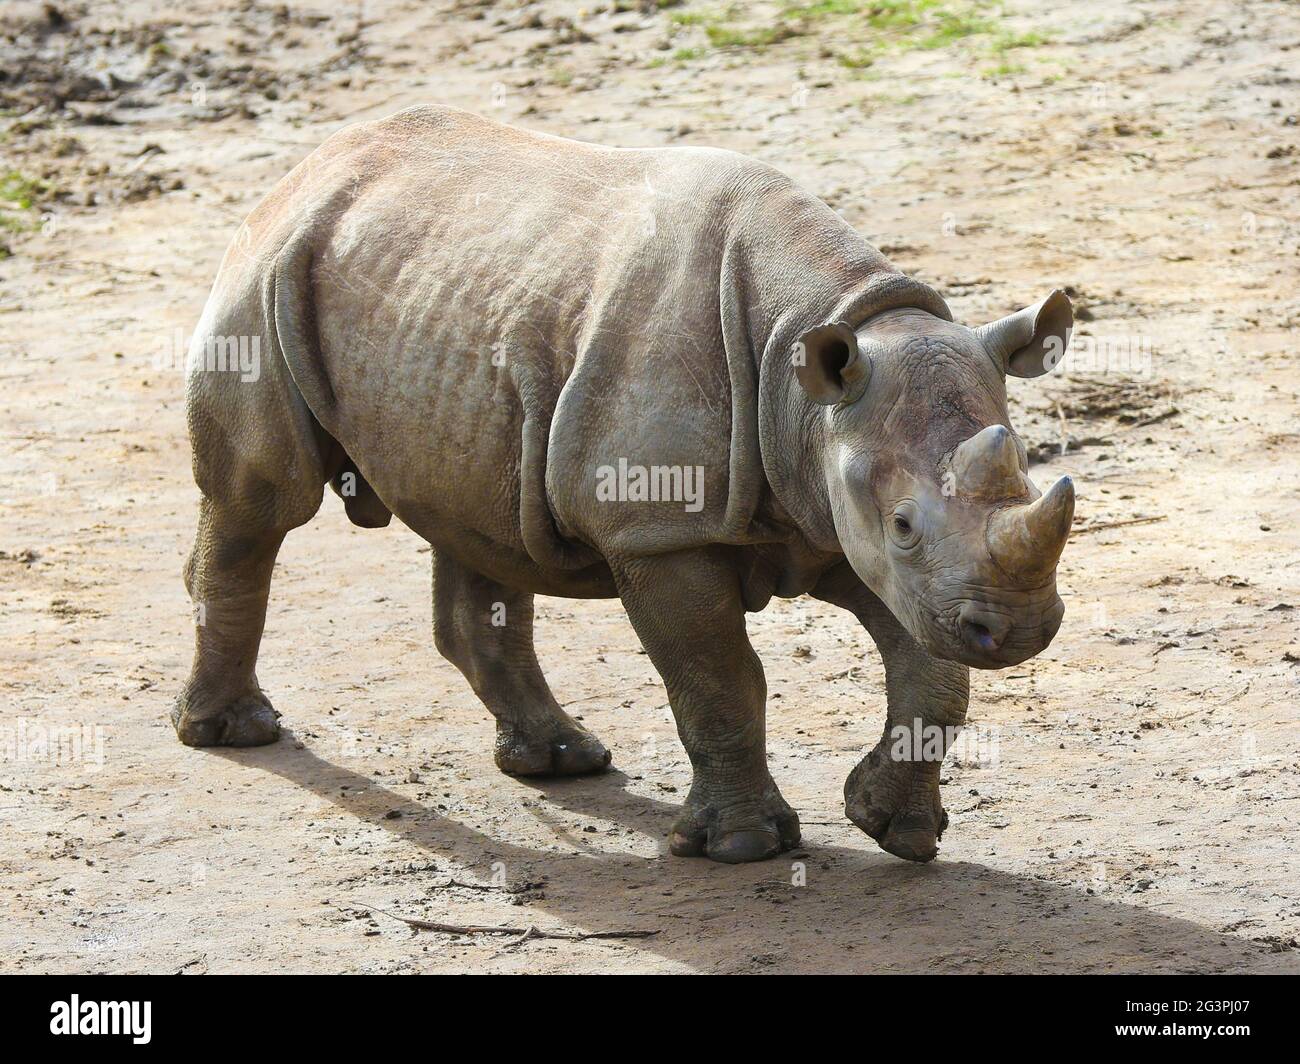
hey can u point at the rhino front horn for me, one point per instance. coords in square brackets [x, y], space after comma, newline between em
[1026, 541]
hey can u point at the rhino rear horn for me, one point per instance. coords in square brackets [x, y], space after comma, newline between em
[1032, 341]
[987, 465]
[829, 365]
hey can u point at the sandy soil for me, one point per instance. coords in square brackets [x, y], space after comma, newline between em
[1132, 800]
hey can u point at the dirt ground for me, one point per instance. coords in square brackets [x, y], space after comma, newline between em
[1131, 799]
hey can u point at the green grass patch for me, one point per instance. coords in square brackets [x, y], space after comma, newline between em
[1003, 70]
[883, 99]
[878, 14]
[11, 222]
[721, 35]
[694, 18]
[1005, 42]
[826, 8]
[724, 32]
[560, 76]
[866, 29]
[18, 200]
[859, 59]
[18, 191]
[951, 27]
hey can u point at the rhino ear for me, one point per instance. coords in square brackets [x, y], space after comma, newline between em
[829, 366]
[1032, 341]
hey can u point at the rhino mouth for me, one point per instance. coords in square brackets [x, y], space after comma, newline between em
[981, 636]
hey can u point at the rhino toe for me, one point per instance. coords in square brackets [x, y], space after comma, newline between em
[571, 752]
[739, 847]
[250, 720]
[747, 831]
[911, 838]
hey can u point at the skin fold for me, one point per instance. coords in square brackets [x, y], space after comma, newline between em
[470, 327]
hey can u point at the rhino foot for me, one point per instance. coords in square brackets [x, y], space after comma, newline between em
[897, 803]
[568, 750]
[249, 720]
[735, 832]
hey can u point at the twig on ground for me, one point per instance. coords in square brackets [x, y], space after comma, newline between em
[524, 933]
[1117, 524]
[472, 886]
[1153, 420]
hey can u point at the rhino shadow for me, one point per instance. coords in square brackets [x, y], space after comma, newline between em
[860, 911]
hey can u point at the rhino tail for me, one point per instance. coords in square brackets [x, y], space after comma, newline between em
[291, 326]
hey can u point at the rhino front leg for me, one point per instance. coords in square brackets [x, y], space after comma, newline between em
[893, 793]
[687, 610]
[486, 630]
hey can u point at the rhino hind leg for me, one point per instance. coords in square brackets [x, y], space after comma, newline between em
[486, 630]
[258, 467]
[688, 611]
[228, 576]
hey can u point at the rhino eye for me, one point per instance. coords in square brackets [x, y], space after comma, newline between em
[904, 526]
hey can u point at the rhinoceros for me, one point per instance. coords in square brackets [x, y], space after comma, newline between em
[667, 375]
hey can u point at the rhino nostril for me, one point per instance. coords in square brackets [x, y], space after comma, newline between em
[976, 635]
[982, 631]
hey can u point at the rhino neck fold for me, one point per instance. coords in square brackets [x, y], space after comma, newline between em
[794, 264]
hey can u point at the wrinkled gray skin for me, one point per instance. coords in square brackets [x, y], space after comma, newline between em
[460, 323]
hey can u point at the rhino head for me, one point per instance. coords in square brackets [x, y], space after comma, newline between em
[927, 484]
